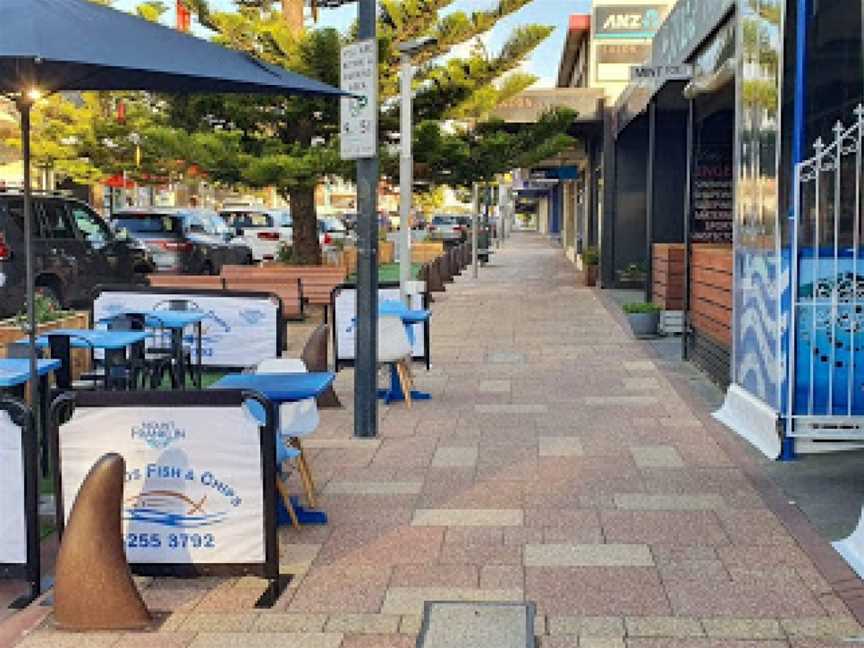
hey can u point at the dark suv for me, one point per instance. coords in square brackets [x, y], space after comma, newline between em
[183, 240]
[74, 250]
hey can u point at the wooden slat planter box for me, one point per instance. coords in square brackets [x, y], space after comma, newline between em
[426, 252]
[668, 276]
[81, 361]
[711, 292]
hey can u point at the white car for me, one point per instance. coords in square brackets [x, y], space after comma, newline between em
[263, 230]
[331, 231]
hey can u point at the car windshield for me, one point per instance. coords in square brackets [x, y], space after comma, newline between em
[213, 224]
[149, 223]
[331, 225]
[443, 220]
[247, 219]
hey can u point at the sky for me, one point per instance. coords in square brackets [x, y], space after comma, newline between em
[544, 60]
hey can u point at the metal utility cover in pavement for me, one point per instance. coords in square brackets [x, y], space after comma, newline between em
[477, 625]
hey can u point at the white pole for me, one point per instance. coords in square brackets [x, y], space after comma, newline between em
[406, 181]
[475, 224]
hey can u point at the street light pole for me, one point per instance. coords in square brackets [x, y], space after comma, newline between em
[406, 160]
[406, 179]
[366, 363]
[475, 224]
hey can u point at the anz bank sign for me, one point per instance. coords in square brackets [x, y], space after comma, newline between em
[628, 21]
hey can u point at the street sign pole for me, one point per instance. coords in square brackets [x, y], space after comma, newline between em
[366, 359]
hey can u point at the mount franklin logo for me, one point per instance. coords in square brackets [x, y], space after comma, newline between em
[158, 434]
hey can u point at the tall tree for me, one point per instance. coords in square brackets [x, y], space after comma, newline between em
[292, 143]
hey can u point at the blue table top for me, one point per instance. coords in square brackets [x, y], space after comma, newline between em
[15, 371]
[165, 318]
[95, 339]
[279, 387]
[408, 316]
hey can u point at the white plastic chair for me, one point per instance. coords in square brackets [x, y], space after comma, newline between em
[394, 348]
[296, 420]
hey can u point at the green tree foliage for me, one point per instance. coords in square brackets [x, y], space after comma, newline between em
[291, 143]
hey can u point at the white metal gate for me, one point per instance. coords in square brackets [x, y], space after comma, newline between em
[825, 398]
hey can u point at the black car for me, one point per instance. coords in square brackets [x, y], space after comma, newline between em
[74, 250]
[188, 241]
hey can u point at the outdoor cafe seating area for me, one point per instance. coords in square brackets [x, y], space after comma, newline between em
[150, 378]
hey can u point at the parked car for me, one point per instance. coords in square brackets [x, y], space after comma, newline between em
[74, 250]
[446, 228]
[331, 231]
[349, 219]
[184, 240]
[263, 230]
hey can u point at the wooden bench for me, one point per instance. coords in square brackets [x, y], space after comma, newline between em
[193, 282]
[290, 292]
[316, 282]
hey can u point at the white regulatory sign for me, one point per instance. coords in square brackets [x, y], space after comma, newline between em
[661, 72]
[359, 114]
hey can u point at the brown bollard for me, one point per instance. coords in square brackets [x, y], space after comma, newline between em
[446, 270]
[433, 281]
[93, 587]
[315, 357]
[454, 263]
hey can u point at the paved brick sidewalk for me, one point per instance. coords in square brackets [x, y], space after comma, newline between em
[557, 464]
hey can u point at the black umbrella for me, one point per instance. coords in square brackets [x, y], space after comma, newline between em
[52, 45]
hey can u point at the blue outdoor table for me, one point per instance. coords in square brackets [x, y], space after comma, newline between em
[14, 374]
[280, 387]
[95, 339]
[114, 343]
[175, 321]
[15, 371]
[409, 319]
[284, 388]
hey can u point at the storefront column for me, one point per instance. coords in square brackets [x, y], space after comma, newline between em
[688, 206]
[649, 200]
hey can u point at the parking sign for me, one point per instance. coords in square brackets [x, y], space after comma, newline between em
[359, 112]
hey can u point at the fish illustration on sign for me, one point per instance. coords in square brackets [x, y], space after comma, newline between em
[169, 508]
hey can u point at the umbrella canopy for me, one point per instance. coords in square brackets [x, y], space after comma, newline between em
[56, 45]
[78, 45]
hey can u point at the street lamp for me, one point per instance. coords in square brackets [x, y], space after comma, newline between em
[408, 49]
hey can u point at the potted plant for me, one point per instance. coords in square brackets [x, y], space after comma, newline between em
[643, 318]
[591, 260]
[49, 316]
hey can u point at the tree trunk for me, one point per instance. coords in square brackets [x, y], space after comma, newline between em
[292, 13]
[306, 250]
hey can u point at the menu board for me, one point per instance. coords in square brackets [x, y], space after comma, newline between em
[711, 220]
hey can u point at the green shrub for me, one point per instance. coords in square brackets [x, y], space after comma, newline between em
[284, 253]
[638, 308]
[591, 256]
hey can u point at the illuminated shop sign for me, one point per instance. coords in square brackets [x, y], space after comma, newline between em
[628, 21]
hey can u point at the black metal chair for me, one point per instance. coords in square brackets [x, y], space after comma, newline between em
[165, 357]
[60, 348]
[139, 369]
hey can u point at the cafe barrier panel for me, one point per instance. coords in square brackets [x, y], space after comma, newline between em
[199, 495]
[343, 304]
[19, 498]
[241, 328]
